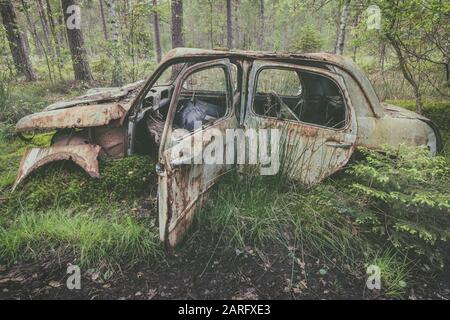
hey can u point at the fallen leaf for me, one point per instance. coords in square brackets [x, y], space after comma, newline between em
[55, 284]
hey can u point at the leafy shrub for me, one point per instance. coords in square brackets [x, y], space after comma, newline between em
[5, 94]
[309, 41]
[407, 199]
[22, 102]
[101, 67]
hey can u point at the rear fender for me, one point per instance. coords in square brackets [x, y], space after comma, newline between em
[84, 155]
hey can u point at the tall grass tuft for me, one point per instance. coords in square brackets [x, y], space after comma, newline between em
[117, 238]
[248, 211]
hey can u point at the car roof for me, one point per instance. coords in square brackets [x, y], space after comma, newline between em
[319, 58]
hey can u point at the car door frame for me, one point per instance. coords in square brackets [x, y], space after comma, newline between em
[175, 180]
[341, 141]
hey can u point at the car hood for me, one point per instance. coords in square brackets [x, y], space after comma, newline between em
[97, 107]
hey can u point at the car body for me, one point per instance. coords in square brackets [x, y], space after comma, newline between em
[323, 103]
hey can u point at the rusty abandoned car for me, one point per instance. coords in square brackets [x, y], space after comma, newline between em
[323, 102]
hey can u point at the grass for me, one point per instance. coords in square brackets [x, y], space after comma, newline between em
[395, 273]
[61, 211]
[250, 211]
[94, 240]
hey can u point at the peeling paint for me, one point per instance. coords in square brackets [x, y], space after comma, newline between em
[83, 155]
[75, 117]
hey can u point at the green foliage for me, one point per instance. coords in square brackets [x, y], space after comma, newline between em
[407, 200]
[5, 93]
[65, 185]
[101, 67]
[117, 238]
[309, 40]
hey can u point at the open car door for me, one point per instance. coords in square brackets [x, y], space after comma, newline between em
[192, 159]
[311, 108]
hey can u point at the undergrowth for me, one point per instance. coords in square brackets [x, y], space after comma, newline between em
[60, 211]
[92, 240]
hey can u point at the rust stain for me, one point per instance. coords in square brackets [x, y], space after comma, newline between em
[75, 117]
[309, 131]
[83, 155]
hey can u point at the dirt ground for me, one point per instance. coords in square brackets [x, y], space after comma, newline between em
[200, 274]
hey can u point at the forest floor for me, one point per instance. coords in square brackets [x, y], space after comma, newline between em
[190, 274]
[233, 251]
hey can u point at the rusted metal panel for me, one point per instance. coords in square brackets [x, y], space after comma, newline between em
[83, 155]
[398, 126]
[98, 95]
[182, 186]
[309, 152]
[112, 140]
[75, 117]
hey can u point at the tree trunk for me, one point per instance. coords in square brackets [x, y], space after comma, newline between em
[261, 25]
[237, 38]
[355, 24]
[117, 76]
[16, 43]
[157, 36]
[211, 41]
[177, 24]
[45, 26]
[81, 67]
[340, 39]
[55, 38]
[382, 55]
[447, 71]
[41, 45]
[32, 29]
[105, 29]
[229, 25]
[407, 72]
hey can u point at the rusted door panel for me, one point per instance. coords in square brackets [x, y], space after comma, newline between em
[183, 181]
[308, 152]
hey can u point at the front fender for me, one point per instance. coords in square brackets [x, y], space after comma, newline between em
[83, 155]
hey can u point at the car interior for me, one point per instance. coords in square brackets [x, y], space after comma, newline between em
[284, 94]
[203, 99]
[299, 96]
